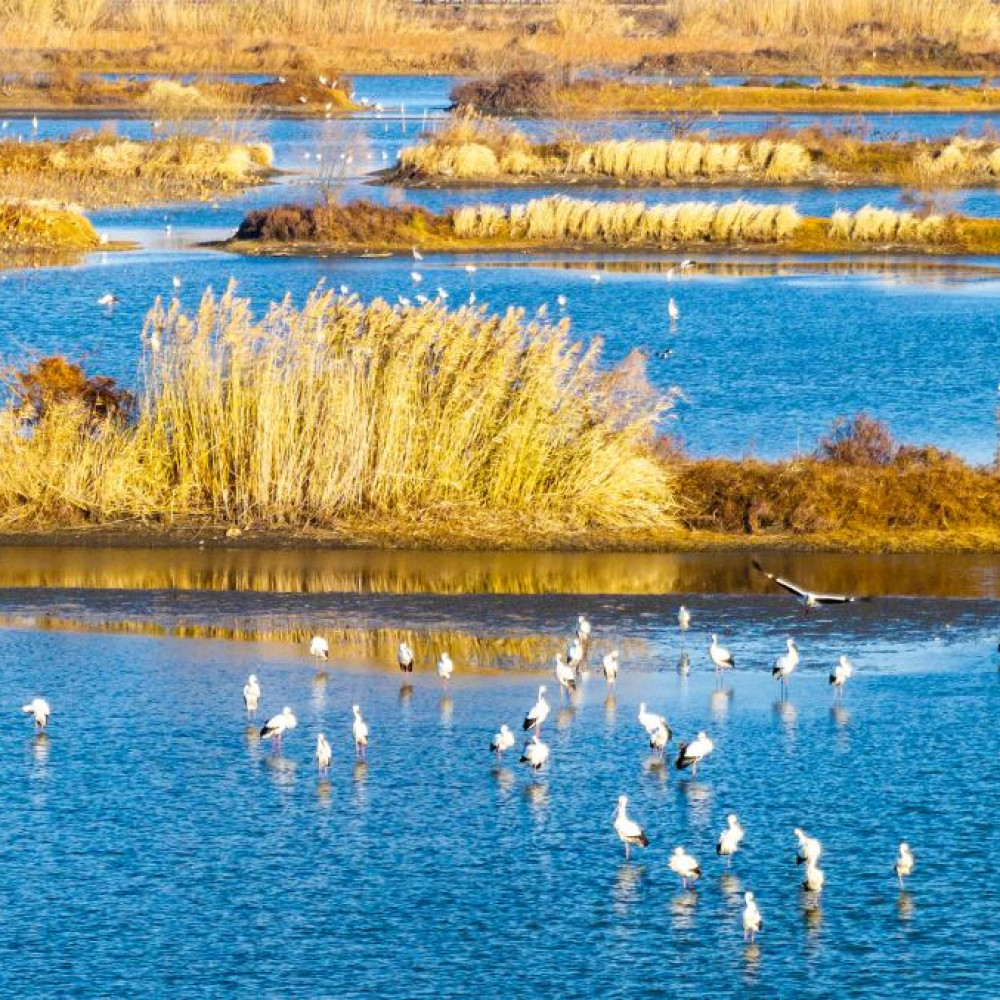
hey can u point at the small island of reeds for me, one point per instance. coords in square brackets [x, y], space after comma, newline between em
[351, 423]
[474, 150]
[101, 170]
[563, 223]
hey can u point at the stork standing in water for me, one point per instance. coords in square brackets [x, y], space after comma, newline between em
[565, 675]
[251, 695]
[359, 730]
[785, 664]
[538, 713]
[445, 667]
[659, 738]
[810, 599]
[574, 655]
[503, 740]
[38, 709]
[730, 838]
[319, 648]
[752, 922]
[904, 862]
[404, 657]
[686, 866]
[841, 674]
[583, 629]
[691, 753]
[278, 725]
[535, 753]
[610, 664]
[324, 754]
[809, 849]
[629, 832]
[813, 879]
[721, 658]
[683, 618]
[651, 721]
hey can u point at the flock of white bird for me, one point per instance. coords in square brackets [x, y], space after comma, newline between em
[569, 669]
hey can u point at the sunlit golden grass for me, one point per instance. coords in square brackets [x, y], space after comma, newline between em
[470, 150]
[105, 170]
[340, 410]
[43, 225]
[476, 149]
[562, 219]
[400, 36]
[886, 225]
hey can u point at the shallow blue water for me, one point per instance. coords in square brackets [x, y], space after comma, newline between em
[765, 363]
[153, 844]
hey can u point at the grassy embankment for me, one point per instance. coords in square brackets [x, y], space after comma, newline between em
[472, 150]
[346, 424]
[319, 94]
[102, 170]
[722, 36]
[560, 222]
[539, 93]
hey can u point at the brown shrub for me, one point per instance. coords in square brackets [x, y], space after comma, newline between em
[55, 381]
[355, 222]
[859, 441]
[521, 92]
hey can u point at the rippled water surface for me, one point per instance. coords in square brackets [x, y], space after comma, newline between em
[152, 843]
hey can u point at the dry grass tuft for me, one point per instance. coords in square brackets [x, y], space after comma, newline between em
[886, 225]
[43, 225]
[340, 410]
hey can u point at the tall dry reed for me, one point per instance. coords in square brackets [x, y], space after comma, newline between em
[886, 225]
[337, 410]
[472, 149]
[561, 218]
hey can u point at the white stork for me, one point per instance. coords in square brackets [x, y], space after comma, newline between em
[278, 725]
[691, 753]
[685, 865]
[404, 657]
[841, 674]
[535, 753]
[786, 663]
[319, 648]
[538, 712]
[38, 709]
[324, 754]
[720, 656]
[359, 730]
[752, 922]
[730, 838]
[629, 832]
[610, 664]
[251, 695]
[904, 862]
[503, 740]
